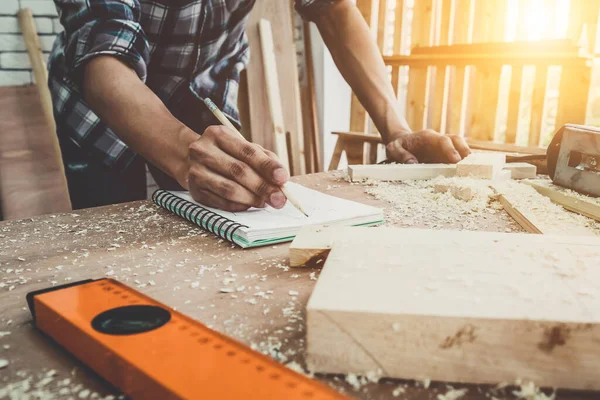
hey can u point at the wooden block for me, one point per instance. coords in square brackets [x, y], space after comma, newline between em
[400, 172]
[481, 165]
[463, 193]
[311, 246]
[522, 170]
[570, 200]
[537, 214]
[456, 306]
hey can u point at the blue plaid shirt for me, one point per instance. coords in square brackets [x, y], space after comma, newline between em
[173, 45]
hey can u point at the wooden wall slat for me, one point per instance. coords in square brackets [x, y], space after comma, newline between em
[440, 92]
[489, 24]
[516, 78]
[398, 37]
[358, 115]
[418, 78]
[575, 82]
[462, 33]
[537, 106]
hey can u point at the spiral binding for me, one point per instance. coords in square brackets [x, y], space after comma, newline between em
[204, 218]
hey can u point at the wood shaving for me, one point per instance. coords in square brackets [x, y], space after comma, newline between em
[452, 394]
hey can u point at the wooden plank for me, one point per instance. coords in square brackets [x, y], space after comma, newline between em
[488, 26]
[279, 13]
[459, 76]
[400, 172]
[521, 170]
[273, 91]
[570, 200]
[312, 133]
[38, 64]
[358, 114]
[32, 180]
[439, 110]
[516, 77]
[418, 77]
[398, 38]
[538, 99]
[481, 165]
[475, 318]
[562, 46]
[489, 60]
[381, 23]
[537, 214]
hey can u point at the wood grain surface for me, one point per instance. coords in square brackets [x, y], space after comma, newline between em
[172, 261]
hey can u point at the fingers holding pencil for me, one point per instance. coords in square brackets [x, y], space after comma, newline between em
[280, 175]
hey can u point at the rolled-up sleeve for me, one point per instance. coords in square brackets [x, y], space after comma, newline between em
[309, 9]
[103, 27]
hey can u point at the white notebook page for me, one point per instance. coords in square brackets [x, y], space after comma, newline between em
[321, 208]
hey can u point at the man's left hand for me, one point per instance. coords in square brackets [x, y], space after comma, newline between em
[427, 146]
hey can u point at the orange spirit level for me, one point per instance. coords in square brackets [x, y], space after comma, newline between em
[150, 351]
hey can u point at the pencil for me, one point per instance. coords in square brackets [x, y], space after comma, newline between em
[225, 121]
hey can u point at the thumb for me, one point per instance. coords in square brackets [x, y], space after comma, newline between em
[397, 153]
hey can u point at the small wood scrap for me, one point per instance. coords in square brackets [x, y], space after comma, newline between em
[521, 170]
[569, 199]
[537, 214]
[469, 312]
[482, 165]
[400, 172]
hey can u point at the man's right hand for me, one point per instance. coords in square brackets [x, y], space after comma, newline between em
[227, 172]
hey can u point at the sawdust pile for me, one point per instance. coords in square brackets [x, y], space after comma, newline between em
[419, 204]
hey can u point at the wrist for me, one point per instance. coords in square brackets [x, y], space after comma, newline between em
[180, 166]
[394, 134]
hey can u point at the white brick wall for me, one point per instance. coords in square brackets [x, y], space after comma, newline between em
[15, 68]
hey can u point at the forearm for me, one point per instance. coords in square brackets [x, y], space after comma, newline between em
[356, 55]
[137, 115]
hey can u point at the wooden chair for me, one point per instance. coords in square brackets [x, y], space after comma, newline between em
[455, 63]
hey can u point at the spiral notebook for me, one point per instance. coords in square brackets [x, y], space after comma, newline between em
[260, 227]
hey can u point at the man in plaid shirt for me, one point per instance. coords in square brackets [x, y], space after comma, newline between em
[128, 78]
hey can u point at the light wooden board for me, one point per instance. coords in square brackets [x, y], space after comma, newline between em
[537, 214]
[400, 172]
[273, 91]
[481, 165]
[261, 128]
[476, 307]
[571, 201]
[521, 170]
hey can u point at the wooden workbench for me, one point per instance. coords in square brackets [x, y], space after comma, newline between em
[172, 261]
